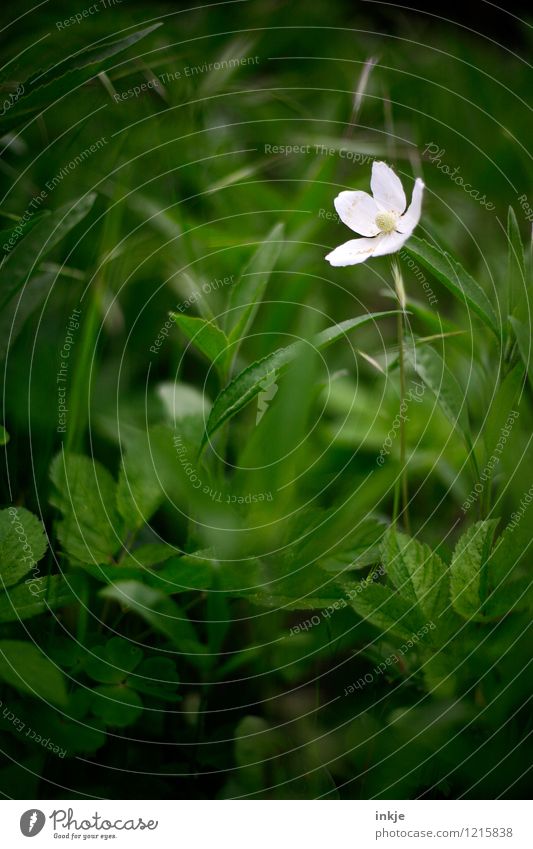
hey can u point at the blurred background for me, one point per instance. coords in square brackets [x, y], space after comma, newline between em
[198, 139]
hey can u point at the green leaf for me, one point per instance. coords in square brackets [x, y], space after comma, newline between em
[25, 667]
[117, 705]
[449, 272]
[38, 596]
[516, 269]
[23, 228]
[139, 493]
[86, 496]
[501, 417]
[25, 257]
[304, 588]
[388, 611]
[23, 543]
[468, 574]
[206, 336]
[247, 293]
[111, 663]
[158, 610]
[4, 435]
[248, 383]
[148, 555]
[156, 676]
[432, 369]
[182, 400]
[513, 548]
[511, 597]
[356, 550]
[524, 342]
[418, 574]
[16, 313]
[45, 89]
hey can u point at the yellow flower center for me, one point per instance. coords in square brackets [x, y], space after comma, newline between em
[386, 221]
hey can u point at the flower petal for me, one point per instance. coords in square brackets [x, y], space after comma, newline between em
[389, 243]
[387, 188]
[353, 252]
[410, 219]
[358, 211]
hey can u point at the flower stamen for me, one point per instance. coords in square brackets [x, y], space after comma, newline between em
[386, 221]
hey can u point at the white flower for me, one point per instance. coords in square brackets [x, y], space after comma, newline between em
[381, 218]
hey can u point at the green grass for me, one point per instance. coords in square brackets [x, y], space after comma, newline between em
[240, 552]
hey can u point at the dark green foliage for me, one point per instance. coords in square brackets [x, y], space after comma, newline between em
[207, 585]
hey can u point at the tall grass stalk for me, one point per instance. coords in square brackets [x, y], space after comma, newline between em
[403, 482]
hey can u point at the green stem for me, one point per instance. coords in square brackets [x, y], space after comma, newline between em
[402, 484]
[403, 463]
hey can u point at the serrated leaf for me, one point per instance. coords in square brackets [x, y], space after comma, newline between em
[468, 571]
[25, 667]
[432, 369]
[449, 272]
[418, 574]
[248, 383]
[24, 258]
[40, 595]
[206, 336]
[85, 493]
[247, 293]
[23, 543]
[388, 611]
